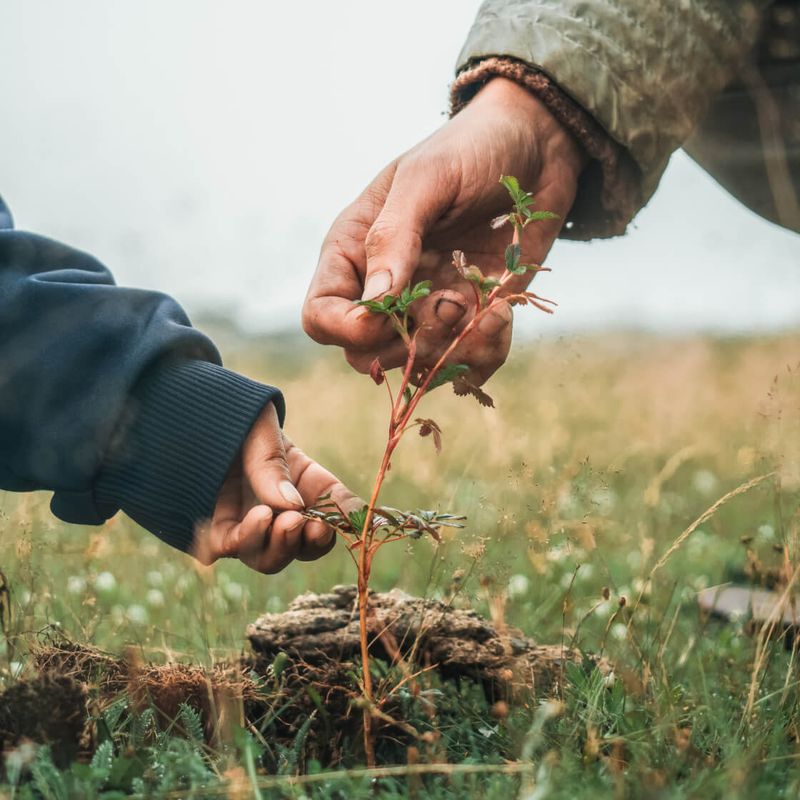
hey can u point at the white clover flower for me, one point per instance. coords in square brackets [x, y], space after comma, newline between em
[567, 502]
[136, 614]
[566, 580]
[76, 584]
[25, 597]
[155, 578]
[233, 591]
[558, 553]
[105, 582]
[155, 598]
[609, 680]
[634, 559]
[619, 630]
[604, 500]
[585, 572]
[605, 608]
[704, 481]
[15, 668]
[767, 532]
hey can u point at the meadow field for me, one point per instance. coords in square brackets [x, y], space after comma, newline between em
[601, 451]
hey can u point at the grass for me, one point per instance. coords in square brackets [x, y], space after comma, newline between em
[601, 451]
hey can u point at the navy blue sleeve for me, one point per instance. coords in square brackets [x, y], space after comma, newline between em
[108, 396]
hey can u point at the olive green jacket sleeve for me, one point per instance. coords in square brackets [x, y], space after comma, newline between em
[647, 72]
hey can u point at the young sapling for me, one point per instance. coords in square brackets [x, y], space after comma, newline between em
[368, 529]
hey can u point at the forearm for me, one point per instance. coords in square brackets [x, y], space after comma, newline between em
[108, 397]
[645, 73]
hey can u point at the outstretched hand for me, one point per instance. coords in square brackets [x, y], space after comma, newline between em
[258, 516]
[434, 199]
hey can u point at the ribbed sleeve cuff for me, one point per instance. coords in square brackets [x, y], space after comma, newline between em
[609, 189]
[186, 423]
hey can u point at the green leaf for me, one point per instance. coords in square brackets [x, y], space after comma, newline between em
[513, 255]
[474, 275]
[512, 186]
[535, 216]
[422, 289]
[192, 723]
[279, 664]
[358, 518]
[372, 305]
[101, 763]
[448, 373]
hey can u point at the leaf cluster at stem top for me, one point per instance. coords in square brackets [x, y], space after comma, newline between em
[398, 304]
[523, 213]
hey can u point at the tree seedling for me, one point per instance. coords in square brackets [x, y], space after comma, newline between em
[371, 527]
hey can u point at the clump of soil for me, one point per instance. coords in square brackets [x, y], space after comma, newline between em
[303, 662]
[458, 643]
[48, 708]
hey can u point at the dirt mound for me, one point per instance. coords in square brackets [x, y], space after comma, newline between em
[459, 643]
[303, 661]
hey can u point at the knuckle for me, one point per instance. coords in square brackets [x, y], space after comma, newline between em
[379, 237]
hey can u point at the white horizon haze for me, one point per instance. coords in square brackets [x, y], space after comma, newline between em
[203, 149]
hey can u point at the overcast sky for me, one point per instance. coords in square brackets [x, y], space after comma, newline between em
[177, 141]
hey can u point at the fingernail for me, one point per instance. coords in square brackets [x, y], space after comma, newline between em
[290, 494]
[493, 323]
[377, 284]
[449, 312]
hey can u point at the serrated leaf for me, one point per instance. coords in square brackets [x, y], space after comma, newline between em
[512, 186]
[357, 519]
[102, 762]
[447, 373]
[372, 305]
[474, 275]
[535, 216]
[462, 387]
[512, 256]
[422, 289]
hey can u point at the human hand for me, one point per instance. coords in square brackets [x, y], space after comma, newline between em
[258, 516]
[436, 198]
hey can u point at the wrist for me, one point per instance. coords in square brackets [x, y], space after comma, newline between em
[557, 143]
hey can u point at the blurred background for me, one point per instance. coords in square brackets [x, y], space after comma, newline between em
[204, 148]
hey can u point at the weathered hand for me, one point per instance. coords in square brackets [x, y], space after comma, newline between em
[258, 516]
[436, 198]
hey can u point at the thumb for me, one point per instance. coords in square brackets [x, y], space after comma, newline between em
[264, 464]
[393, 244]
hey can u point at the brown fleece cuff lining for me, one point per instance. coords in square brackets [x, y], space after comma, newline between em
[609, 189]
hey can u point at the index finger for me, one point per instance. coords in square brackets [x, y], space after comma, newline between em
[329, 313]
